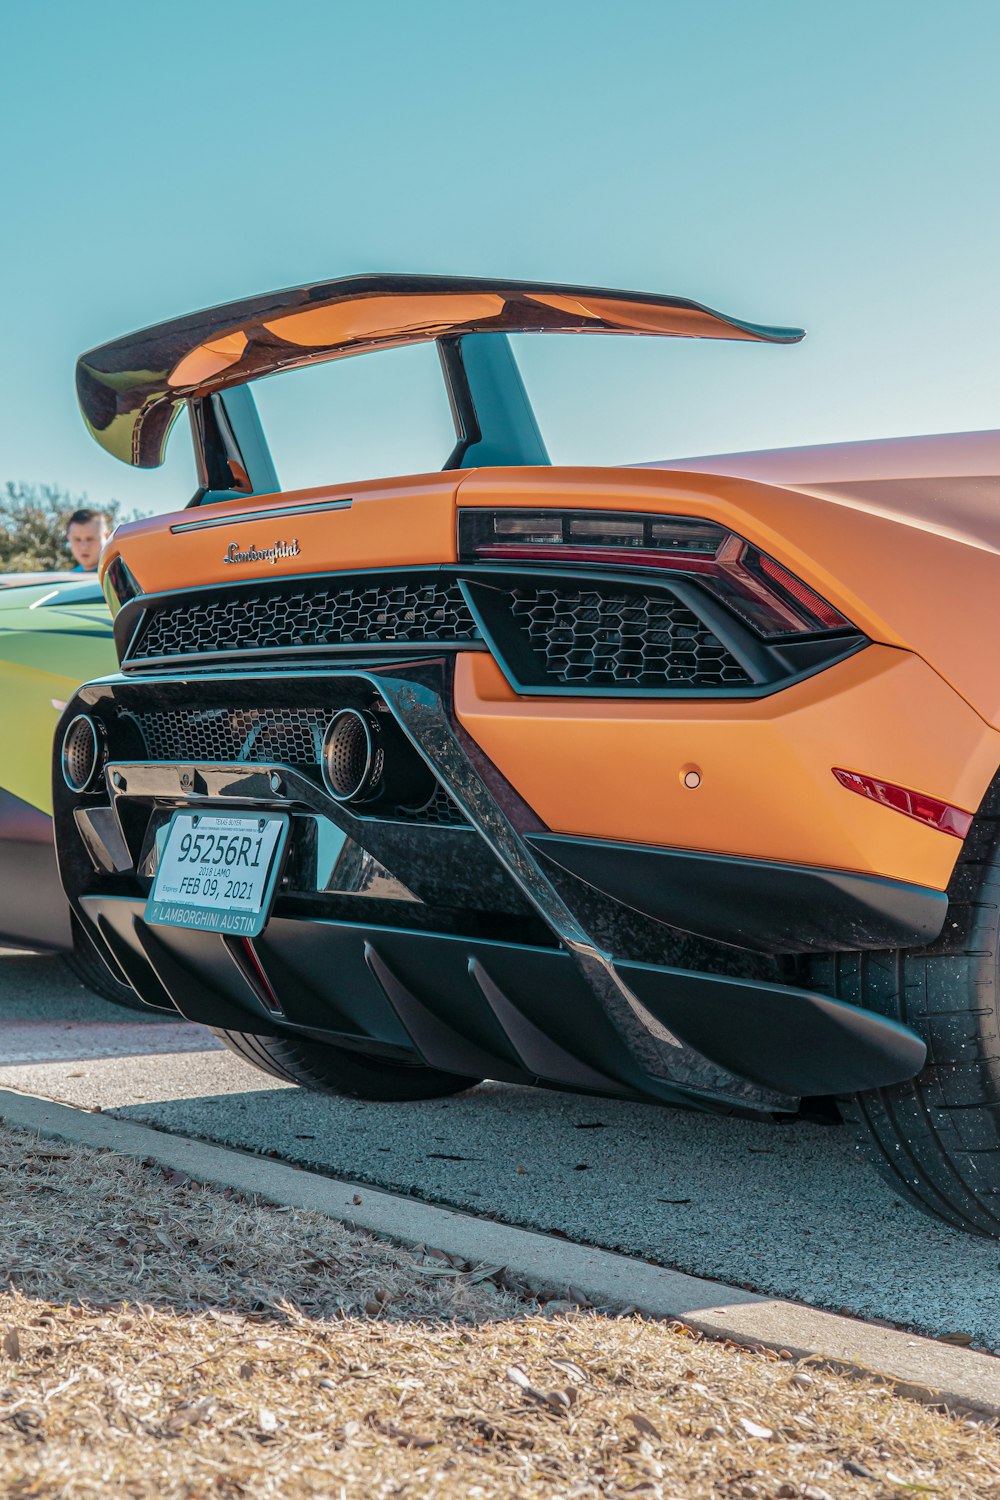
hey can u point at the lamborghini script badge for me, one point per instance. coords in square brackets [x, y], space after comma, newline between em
[261, 554]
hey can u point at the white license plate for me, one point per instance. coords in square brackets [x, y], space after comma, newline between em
[217, 871]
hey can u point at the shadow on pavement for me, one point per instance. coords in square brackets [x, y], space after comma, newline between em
[792, 1212]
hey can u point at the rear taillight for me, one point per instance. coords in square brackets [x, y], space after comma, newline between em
[756, 588]
[929, 810]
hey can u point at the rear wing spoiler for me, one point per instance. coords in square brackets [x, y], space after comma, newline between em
[132, 390]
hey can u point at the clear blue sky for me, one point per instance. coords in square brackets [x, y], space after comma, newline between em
[830, 163]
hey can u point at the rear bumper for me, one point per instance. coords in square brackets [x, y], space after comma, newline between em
[615, 771]
[485, 945]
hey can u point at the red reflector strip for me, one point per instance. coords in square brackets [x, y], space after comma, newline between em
[939, 815]
[803, 594]
[248, 961]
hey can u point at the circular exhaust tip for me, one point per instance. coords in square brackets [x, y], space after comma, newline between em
[352, 755]
[84, 753]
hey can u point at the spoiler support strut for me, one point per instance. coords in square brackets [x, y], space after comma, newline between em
[494, 420]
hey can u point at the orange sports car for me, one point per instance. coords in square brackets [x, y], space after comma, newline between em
[675, 782]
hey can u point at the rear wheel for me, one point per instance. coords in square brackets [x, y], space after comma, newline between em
[336, 1070]
[937, 1138]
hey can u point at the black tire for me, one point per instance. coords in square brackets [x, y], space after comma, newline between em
[335, 1070]
[936, 1139]
[90, 969]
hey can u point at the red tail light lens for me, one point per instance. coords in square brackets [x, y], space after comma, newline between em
[929, 810]
[751, 584]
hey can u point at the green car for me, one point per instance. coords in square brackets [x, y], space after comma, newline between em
[55, 633]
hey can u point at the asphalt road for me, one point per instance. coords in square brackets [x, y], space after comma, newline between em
[788, 1210]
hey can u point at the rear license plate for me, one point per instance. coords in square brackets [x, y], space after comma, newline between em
[217, 871]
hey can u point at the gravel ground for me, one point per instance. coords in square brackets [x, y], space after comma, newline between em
[161, 1339]
[790, 1211]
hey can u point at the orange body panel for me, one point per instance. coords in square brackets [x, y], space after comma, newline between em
[615, 770]
[389, 522]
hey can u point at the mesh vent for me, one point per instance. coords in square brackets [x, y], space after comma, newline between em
[592, 638]
[386, 611]
[290, 736]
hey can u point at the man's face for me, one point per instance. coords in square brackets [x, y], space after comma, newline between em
[85, 539]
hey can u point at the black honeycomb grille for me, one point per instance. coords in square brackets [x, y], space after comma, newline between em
[592, 635]
[387, 611]
[602, 638]
[288, 736]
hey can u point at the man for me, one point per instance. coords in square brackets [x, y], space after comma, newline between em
[86, 533]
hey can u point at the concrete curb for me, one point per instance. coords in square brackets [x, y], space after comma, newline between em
[922, 1368]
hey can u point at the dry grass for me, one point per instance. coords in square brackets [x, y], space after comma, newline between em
[162, 1340]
